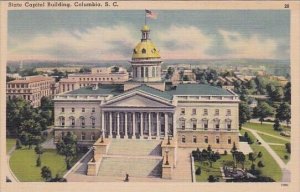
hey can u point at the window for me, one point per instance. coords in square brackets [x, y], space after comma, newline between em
[93, 109]
[153, 71]
[143, 51]
[205, 139]
[182, 112]
[228, 112]
[62, 121]
[83, 110]
[93, 122]
[72, 121]
[73, 109]
[217, 139]
[93, 137]
[194, 124]
[82, 136]
[182, 124]
[217, 124]
[205, 112]
[82, 122]
[183, 139]
[228, 124]
[229, 140]
[194, 111]
[62, 109]
[194, 139]
[205, 124]
[217, 111]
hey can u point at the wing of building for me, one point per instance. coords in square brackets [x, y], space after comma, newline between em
[196, 115]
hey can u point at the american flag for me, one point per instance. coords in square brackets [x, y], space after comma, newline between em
[151, 14]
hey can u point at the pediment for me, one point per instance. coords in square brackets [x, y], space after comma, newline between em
[137, 100]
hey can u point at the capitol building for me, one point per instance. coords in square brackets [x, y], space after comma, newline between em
[145, 108]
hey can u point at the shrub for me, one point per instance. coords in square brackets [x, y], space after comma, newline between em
[286, 157]
[253, 167]
[260, 164]
[18, 144]
[38, 162]
[288, 147]
[246, 134]
[249, 140]
[259, 143]
[211, 178]
[225, 152]
[198, 171]
[259, 155]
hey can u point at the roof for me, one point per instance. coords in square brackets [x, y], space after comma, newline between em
[114, 89]
[31, 79]
[144, 50]
[199, 89]
[153, 91]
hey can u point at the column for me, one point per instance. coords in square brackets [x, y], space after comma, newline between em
[142, 125]
[118, 125]
[150, 127]
[157, 126]
[166, 125]
[102, 128]
[133, 125]
[110, 124]
[126, 134]
[174, 126]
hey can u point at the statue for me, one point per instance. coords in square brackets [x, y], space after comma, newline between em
[168, 140]
[93, 154]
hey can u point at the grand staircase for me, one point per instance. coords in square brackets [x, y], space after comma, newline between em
[138, 158]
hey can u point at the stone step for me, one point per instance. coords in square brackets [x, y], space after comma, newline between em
[135, 147]
[135, 167]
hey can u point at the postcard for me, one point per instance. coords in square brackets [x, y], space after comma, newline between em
[152, 96]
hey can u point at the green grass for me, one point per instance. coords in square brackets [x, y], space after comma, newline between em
[270, 139]
[22, 163]
[267, 128]
[10, 143]
[271, 168]
[281, 152]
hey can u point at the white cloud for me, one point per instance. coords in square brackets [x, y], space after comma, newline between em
[254, 46]
[187, 42]
[95, 43]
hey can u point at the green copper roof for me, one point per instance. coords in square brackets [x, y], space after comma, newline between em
[102, 90]
[199, 89]
[153, 91]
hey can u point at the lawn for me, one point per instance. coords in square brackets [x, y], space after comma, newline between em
[281, 152]
[10, 143]
[270, 139]
[22, 163]
[267, 128]
[271, 168]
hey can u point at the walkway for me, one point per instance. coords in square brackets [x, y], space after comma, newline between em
[183, 170]
[271, 135]
[285, 171]
[9, 173]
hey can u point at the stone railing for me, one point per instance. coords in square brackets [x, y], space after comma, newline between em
[193, 169]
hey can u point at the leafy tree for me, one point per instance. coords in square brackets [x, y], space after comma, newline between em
[198, 171]
[211, 178]
[244, 113]
[252, 157]
[259, 155]
[46, 173]
[85, 70]
[288, 147]
[260, 164]
[39, 150]
[67, 147]
[38, 161]
[18, 144]
[276, 125]
[30, 133]
[251, 84]
[287, 92]
[283, 113]
[240, 158]
[264, 110]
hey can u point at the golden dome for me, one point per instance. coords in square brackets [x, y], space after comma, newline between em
[145, 49]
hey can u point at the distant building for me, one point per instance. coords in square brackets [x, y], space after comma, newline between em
[13, 75]
[62, 69]
[98, 75]
[31, 88]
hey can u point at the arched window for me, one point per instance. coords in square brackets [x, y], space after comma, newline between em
[194, 139]
[228, 124]
[82, 136]
[143, 50]
[205, 124]
[194, 123]
[217, 124]
[62, 121]
[182, 123]
[217, 139]
[205, 139]
[82, 122]
[93, 122]
[229, 140]
[72, 120]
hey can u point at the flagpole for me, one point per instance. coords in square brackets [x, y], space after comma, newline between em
[145, 17]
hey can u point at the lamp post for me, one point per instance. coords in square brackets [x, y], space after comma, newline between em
[167, 158]
[168, 140]
[101, 141]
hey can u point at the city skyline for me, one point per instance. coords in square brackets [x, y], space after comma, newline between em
[111, 35]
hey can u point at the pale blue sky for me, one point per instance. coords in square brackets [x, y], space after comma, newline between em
[179, 34]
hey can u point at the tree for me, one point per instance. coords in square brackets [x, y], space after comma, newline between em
[288, 147]
[30, 133]
[264, 110]
[115, 69]
[283, 112]
[287, 92]
[18, 144]
[85, 70]
[46, 173]
[67, 147]
[240, 158]
[39, 150]
[252, 157]
[276, 125]
[38, 161]
[198, 171]
[244, 113]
